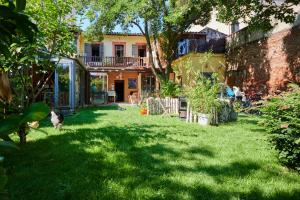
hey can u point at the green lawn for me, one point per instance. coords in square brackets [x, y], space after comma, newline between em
[105, 153]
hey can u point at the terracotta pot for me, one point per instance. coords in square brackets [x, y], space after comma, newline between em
[143, 111]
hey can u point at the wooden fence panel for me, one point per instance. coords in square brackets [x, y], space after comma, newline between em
[154, 106]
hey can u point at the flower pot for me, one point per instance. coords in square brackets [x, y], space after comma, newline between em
[204, 119]
[143, 111]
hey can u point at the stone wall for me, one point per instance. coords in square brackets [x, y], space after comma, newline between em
[266, 65]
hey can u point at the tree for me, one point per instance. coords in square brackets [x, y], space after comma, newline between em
[55, 39]
[162, 22]
[31, 63]
[14, 22]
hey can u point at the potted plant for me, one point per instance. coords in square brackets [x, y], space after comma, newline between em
[202, 98]
[143, 109]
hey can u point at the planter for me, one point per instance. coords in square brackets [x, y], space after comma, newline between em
[204, 119]
[143, 111]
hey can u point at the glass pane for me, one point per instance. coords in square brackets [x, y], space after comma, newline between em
[148, 85]
[63, 85]
[98, 88]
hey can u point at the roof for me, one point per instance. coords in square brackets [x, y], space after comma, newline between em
[124, 34]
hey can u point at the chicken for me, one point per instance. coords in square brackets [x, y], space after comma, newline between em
[57, 119]
[34, 124]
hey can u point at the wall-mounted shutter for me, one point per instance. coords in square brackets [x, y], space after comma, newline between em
[87, 49]
[88, 52]
[134, 51]
[101, 51]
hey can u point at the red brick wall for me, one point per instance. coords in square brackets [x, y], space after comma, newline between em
[266, 65]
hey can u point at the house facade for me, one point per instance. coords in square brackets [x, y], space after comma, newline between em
[118, 67]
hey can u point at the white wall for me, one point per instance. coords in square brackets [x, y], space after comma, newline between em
[129, 40]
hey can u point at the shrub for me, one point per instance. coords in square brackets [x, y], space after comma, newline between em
[203, 96]
[170, 89]
[282, 121]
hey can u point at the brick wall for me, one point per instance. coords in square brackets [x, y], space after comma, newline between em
[266, 65]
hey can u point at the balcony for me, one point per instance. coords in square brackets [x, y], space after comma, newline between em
[114, 62]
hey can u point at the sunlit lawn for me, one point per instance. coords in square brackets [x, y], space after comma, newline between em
[105, 153]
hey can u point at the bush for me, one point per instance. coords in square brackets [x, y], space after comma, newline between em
[170, 89]
[203, 96]
[282, 121]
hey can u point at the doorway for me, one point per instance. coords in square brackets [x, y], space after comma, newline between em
[142, 51]
[119, 88]
[142, 54]
[119, 53]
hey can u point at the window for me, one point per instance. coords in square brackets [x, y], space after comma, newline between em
[148, 85]
[119, 51]
[95, 50]
[132, 83]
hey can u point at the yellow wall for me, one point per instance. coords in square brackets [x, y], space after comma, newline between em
[215, 63]
[112, 76]
[108, 43]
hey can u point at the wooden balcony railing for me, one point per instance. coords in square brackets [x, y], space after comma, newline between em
[96, 61]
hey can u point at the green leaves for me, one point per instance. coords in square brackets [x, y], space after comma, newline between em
[35, 112]
[170, 89]
[9, 125]
[14, 23]
[282, 122]
[7, 146]
[20, 5]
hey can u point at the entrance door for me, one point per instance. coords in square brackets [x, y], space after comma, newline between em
[119, 88]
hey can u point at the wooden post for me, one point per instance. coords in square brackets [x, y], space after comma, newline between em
[187, 113]
[148, 107]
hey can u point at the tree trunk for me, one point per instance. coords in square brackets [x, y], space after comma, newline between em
[22, 134]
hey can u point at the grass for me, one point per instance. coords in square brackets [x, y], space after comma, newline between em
[105, 153]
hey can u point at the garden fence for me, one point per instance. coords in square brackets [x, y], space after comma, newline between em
[157, 106]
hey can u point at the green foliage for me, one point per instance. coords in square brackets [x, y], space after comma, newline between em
[170, 89]
[3, 180]
[56, 22]
[256, 13]
[35, 112]
[203, 96]
[5, 147]
[282, 121]
[13, 22]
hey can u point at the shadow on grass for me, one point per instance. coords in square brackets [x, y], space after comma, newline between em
[122, 162]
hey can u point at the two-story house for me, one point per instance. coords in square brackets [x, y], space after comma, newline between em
[118, 67]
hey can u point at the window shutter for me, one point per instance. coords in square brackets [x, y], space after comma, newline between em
[101, 50]
[87, 49]
[134, 51]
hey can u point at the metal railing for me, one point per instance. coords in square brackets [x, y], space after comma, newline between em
[96, 61]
